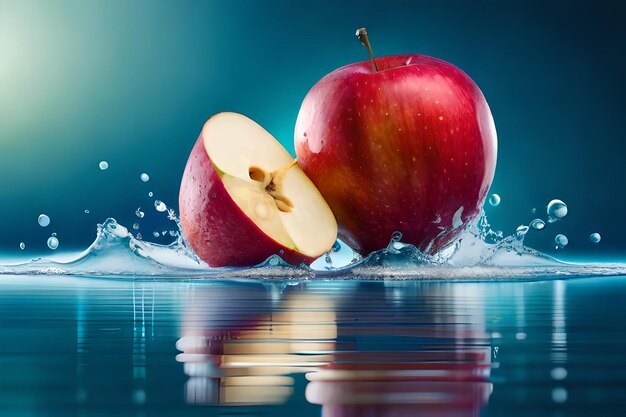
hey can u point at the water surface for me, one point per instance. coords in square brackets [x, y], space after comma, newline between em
[91, 347]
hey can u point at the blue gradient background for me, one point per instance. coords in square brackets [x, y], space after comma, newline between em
[133, 82]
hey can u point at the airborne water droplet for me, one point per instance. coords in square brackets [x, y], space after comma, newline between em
[557, 209]
[396, 236]
[595, 238]
[561, 240]
[159, 206]
[139, 213]
[538, 224]
[150, 194]
[103, 165]
[43, 220]
[53, 242]
[22, 245]
[155, 234]
[494, 200]
[86, 211]
[521, 230]
[135, 226]
[144, 177]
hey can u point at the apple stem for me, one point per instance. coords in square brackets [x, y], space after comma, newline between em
[362, 35]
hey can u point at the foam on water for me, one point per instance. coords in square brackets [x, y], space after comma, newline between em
[478, 254]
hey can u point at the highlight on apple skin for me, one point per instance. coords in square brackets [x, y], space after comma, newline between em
[243, 198]
[406, 144]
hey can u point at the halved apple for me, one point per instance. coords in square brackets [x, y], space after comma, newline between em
[243, 198]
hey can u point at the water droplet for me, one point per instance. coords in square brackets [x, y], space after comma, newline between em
[174, 233]
[103, 165]
[54, 234]
[155, 234]
[22, 245]
[561, 240]
[53, 242]
[273, 261]
[86, 211]
[336, 246]
[159, 206]
[557, 209]
[144, 177]
[396, 236]
[494, 200]
[595, 238]
[135, 226]
[533, 211]
[328, 259]
[139, 213]
[139, 237]
[538, 224]
[43, 220]
[150, 194]
[521, 230]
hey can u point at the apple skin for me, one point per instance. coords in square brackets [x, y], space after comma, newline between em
[218, 231]
[401, 149]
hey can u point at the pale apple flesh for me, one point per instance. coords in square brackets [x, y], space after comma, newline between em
[244, 198]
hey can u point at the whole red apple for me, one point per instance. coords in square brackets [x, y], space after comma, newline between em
[401, 143]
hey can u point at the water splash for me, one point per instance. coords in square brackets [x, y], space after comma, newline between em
[478, 254]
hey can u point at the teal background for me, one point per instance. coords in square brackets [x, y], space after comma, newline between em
[133, 82]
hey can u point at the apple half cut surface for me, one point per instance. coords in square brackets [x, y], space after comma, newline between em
[244, 198]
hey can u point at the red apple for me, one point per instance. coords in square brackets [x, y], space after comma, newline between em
[406, 144]
[243, 198]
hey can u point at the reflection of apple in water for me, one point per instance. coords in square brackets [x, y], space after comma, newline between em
[243, 198]
[235, 352]
[402, 143]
